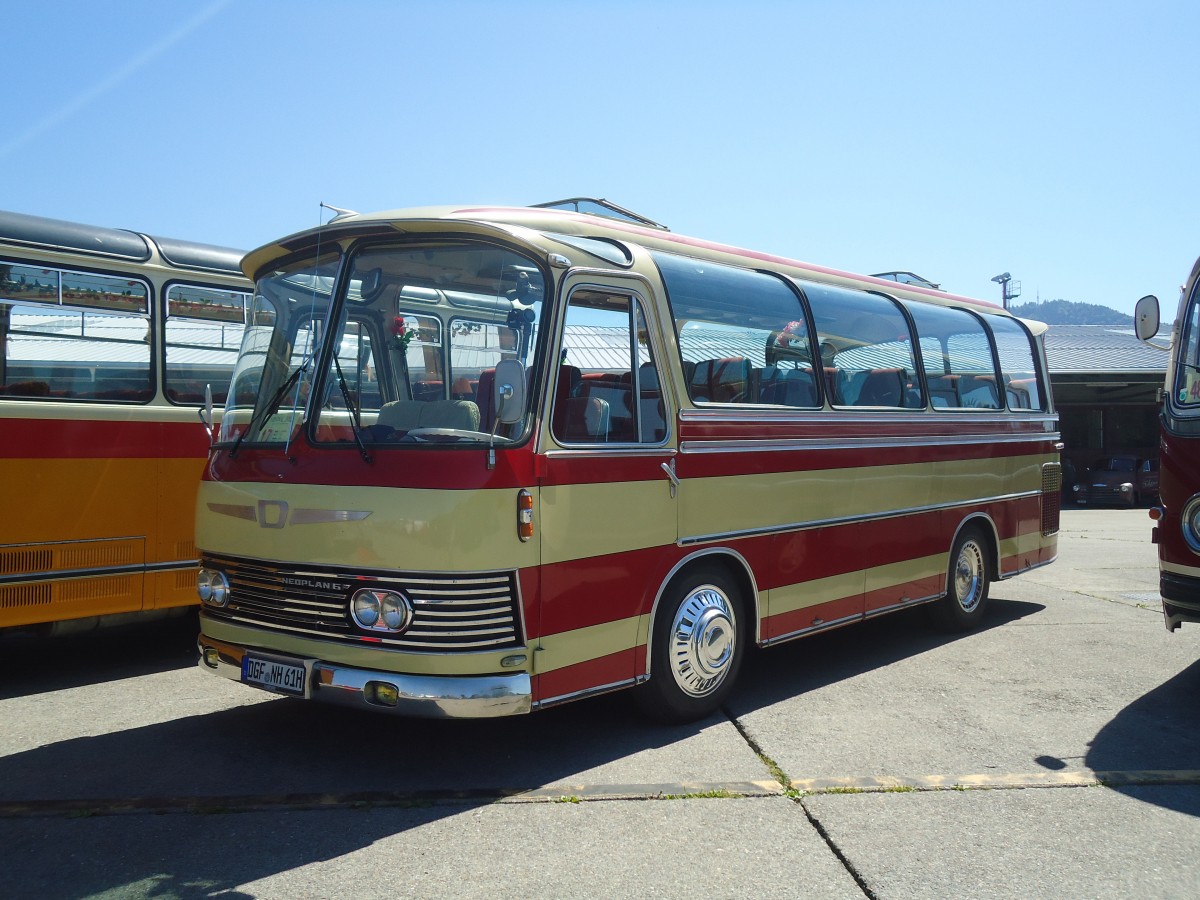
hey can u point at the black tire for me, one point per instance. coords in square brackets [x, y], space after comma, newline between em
[967, 584]
[696, 647]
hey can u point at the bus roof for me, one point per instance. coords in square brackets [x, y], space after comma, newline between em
[115, 243]
[585, 224]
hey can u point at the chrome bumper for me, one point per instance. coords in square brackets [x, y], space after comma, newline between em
[420, 696]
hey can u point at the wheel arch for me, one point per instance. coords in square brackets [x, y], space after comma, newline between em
[737, 568]
[985, 524]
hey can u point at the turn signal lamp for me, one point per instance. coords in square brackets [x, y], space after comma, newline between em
[524, 515]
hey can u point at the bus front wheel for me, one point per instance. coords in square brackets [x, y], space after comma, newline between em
[967, 584]
[696, 648]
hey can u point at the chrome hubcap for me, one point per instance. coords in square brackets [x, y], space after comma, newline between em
[703, 640]
[968, 576]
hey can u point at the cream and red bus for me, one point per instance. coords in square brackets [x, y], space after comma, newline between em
[502, 458]
[108, 339]
[1177, 531]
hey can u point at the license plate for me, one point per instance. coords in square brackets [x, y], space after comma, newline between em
[279, 675]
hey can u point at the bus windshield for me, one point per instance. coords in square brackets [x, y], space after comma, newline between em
[415, 334]
[1187, 375]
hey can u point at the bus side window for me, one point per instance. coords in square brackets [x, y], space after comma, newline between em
[744, 336]
[866, 349]
[1018, 364]
[607, 387]
[956, 352]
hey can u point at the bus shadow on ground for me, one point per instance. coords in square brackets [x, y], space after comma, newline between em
[1157, 733]
[205, 784]
[808, 664]
[35, 664]
[202, 804]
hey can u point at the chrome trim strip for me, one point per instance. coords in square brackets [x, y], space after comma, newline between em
[302, 516]
[625, 450]
[422, 696]
[813, 629]
[903, 604]
[850, 520]
[844, 415]
[587, 692]
[98, 572]
[718, 445]
[1006, 575]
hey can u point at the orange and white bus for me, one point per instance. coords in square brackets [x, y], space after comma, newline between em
[1177, 531]
[503, 458]
[107, 341]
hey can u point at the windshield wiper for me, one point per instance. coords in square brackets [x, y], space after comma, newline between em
[270, 406]
[350, 405]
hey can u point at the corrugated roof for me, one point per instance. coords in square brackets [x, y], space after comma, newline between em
[1101, 348]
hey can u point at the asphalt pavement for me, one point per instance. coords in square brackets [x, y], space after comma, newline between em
[1055, 752]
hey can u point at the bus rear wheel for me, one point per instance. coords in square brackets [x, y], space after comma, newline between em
[967, 584]
[696, 649]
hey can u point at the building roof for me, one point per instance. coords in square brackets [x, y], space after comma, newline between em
[1086, 349]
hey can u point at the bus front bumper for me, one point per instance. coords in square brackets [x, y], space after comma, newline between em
[418, 696]
[1181, 599]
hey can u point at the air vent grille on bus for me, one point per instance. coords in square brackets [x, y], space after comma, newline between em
[476, 611]
[1051, 497]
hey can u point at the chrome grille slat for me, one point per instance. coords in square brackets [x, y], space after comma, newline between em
[449, 613]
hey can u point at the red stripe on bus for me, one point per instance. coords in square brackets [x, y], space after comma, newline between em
[612, 669]
[597, 590]
[812, 617]
[97, 439]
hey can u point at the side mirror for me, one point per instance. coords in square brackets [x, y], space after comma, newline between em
[509, 392]
[1146, 317]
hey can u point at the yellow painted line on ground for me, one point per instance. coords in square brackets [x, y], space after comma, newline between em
[584, 793]
[996, 781]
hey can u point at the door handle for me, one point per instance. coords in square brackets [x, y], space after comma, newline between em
[669, 468]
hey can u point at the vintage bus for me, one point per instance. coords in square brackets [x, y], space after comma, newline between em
[1177, 531]
[501, 458]
[108, 339]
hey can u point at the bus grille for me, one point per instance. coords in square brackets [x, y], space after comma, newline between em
[1051, 497]
[476, 611]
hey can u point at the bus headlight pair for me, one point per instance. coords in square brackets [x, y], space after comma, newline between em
[213, 587]
[381, 610]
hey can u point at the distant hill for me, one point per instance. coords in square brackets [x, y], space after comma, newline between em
[1070, 312]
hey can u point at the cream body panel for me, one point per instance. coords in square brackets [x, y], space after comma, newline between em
[595, 519]
[403, 529]
[1177, 569]
[712, 506]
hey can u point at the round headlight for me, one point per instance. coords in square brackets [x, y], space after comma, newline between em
[364, 606]
[1191, 523]
[397, 611]
[213, 587]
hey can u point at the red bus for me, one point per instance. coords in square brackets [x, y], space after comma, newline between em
[481, 461]
[1177, 531]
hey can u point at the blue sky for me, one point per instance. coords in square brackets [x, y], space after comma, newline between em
[1055, 141]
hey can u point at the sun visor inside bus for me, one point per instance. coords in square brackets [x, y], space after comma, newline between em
[53, 233]
[188, 255]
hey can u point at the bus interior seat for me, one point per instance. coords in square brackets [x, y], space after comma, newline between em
[883, 387]
[786, 386]
[979, 391]
[405, 415]
[583, 419]
[725, 380]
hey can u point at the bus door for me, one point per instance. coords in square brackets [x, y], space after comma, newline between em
[608, 508]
